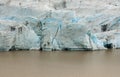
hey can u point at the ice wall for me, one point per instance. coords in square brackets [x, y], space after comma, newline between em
[59, 24]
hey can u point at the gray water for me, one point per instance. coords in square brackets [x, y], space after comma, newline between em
[60, 64]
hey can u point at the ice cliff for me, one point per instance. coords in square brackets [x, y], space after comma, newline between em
[59, 24]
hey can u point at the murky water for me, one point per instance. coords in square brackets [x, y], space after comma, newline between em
[60, 64]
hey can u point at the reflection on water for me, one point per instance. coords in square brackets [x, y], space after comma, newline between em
[60, 64]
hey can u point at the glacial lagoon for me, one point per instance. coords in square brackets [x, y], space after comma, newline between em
[60, 64]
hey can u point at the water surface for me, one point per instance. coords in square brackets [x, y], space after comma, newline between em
[60, 64]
